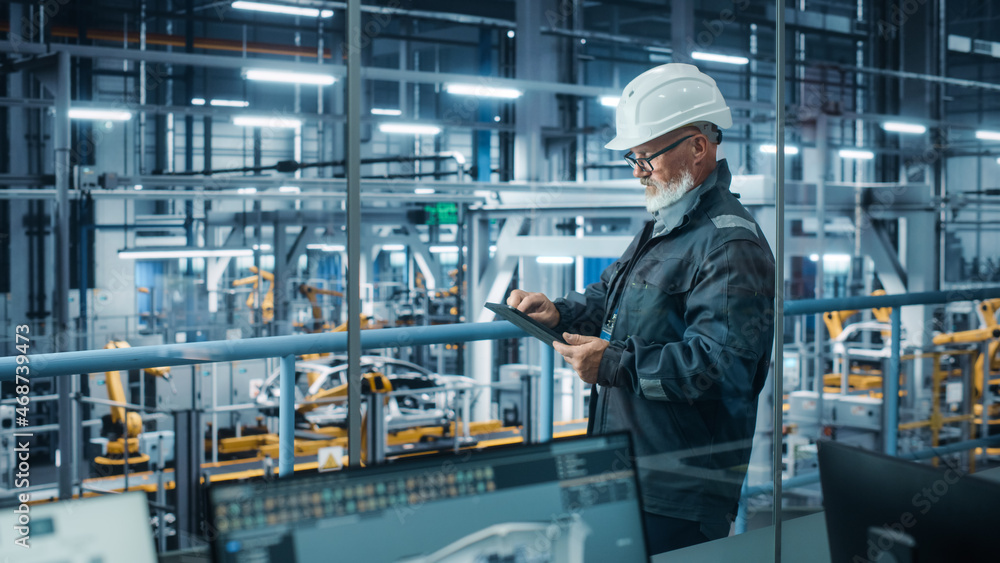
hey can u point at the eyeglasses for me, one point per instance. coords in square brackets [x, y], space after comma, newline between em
[646, 164]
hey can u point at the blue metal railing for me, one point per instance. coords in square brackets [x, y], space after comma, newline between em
[287, 347]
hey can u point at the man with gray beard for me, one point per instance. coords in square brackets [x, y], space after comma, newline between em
[676, 336]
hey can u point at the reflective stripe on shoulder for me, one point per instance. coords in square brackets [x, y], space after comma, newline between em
[725, 221]
[651, 389]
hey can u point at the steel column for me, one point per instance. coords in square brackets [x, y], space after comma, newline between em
[60, 222]
[286, 418]
[891, 387]
[545, 394]
[353, 172]
[779, 263]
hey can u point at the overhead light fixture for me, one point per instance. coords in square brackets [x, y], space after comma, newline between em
[610, 101]
[988, 135]
[510, 34]
[266, 75]
[282, 9]
[899, 127]
[262, 247]
[289, 189]
[166, 253]
[409, 128]
[482, 91]
[441, 249]
[100, 114]
[327, 247]
[267, 121]
[998, 161]
[424, 191]
[555, 259]
[229, 103]
[386, 111]
[773, 149]
[197, 101]
[246, 190]
[716, 58]
[393, 247]
[856, 154]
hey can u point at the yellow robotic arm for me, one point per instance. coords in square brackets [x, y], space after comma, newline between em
[132, 421]
[991, 331]
[267, 304]
[317, 312]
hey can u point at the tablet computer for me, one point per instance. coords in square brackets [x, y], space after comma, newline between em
[526, 323]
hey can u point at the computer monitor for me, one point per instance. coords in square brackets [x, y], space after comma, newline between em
[113, 528]
[563, 501]
[876, 504]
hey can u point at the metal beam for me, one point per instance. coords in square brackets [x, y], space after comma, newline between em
[353, 171]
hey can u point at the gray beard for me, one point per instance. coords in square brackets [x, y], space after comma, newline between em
[669, 193]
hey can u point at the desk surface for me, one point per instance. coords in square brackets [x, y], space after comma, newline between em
[802, 539]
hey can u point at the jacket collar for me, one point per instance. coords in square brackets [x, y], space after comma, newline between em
[666, 219]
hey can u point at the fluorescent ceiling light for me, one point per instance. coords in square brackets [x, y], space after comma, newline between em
[291, 77]
[137, 187]
[282, 9]
[326, 247]
[266, 121]
[230, 103]
[898, 127]
[555, 259]
[164, 253]
[998, 161]
[386, 111]
[610, 101]
[441, 249]
[262, 247]
[856, 154]
[481, 90]
[510, 34]
[984, 135]
[773, 149]
[246, 190]
[289, 189]
[393, 247]
[728, 59]
[197, 101]
[424, 191]
[100, 114]
[409, 128]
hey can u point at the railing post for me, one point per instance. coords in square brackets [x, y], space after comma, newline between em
[527, 410]
[890, 401]
[545, 393]
[286, 418]
[376, 429]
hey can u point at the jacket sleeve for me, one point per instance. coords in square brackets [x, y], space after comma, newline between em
[585, 314]
[728, 325]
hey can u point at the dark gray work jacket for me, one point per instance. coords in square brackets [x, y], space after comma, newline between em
[689, 352]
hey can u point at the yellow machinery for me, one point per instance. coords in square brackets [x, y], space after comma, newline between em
[131, 421]
[310, 293]
[267, 303]
[989, 332]
[872, 379]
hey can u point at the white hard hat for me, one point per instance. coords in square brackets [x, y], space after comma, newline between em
[666, 98]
